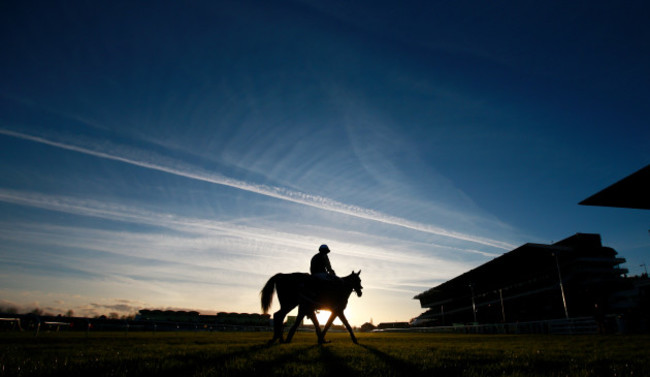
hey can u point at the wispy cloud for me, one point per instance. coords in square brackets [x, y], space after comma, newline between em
[189, 233]
[151, 161]
[207, 251]
[63, 303]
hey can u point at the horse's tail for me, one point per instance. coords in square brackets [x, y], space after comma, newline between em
[267, 293]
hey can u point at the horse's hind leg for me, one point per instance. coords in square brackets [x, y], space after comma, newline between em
[278, 324]
[293, 328]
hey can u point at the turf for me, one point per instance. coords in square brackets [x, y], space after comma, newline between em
[378, 354]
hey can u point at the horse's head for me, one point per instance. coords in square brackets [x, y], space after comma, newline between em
[355, 282]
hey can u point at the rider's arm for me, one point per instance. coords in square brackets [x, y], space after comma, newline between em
[328, 266]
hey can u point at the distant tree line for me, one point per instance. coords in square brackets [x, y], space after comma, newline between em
[12, 310]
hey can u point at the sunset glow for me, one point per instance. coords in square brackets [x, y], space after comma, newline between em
[324, 315]
[177, 155]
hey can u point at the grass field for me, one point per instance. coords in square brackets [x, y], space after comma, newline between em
[378, 354]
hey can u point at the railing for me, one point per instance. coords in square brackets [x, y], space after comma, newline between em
[575, 326]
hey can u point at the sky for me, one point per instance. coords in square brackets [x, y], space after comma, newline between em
[176, 155]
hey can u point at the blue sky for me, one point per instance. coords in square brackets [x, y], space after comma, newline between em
[177, 155]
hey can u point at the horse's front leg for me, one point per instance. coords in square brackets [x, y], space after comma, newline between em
[347, 326]
[312, 315]
[327, 327]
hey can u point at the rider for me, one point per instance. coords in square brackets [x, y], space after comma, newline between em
[320, 264]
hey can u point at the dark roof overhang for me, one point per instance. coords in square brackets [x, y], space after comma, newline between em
[632, 191]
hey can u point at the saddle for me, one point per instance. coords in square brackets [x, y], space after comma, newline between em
[320, 290]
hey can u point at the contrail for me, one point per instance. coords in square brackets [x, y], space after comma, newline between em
[270, 191]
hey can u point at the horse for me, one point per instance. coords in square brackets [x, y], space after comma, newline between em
[309, 294]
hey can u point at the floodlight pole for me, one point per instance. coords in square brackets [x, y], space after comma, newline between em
[471, 286]
[566, 310]
[503, 308]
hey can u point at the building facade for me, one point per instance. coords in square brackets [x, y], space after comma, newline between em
[575, 277]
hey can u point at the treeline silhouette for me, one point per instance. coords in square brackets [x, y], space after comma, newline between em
[146, 320]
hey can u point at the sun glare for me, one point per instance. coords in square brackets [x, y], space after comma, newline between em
[324, 315]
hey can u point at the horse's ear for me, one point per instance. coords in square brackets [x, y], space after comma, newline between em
[358, 273]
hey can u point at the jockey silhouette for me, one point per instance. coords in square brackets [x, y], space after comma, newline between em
[320, 264]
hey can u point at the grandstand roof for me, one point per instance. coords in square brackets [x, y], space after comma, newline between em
[630, 192]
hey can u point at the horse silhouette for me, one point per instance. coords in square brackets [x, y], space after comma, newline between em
[309, 294]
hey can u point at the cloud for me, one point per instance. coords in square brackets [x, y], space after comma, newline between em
[20, 308]
[152, 161]
[124, 307]
[171, 255]
[190, 233]
[177, 255]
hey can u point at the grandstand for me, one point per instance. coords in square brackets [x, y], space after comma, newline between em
[572, 278]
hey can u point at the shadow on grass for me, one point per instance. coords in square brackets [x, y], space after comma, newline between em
[254, 360]
[200, 363]
[398, 367]
[331, 364]
[334, 365]
[263, 367]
